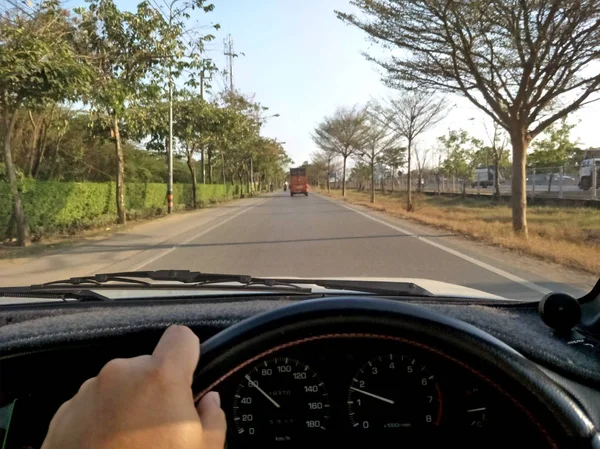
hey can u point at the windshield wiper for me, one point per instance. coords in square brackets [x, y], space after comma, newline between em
[89, 287]
[194, 279]
[167, 279]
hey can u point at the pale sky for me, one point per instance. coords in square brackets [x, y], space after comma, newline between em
[302, 62]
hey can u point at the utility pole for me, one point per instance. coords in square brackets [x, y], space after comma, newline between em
[228, 43]
[202, 150]
[170, 150]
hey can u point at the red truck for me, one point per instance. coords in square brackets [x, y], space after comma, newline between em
[298, 181]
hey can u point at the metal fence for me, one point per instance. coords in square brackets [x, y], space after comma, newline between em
[555, 182]
[552, 182]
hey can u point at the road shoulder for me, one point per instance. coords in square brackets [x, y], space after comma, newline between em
[549, 276]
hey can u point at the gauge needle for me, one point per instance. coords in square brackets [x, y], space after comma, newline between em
[389, 401]
[255, 385]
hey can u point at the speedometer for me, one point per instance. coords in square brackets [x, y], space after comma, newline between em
[280, 400]
[394, 391]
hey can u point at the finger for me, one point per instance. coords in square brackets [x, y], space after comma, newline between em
[178, 351]
[212, 417]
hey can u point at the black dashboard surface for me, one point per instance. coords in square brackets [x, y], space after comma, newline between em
[48, 351]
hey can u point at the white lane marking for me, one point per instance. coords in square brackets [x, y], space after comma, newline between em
[255, 385]
[479, 263]
[200, 234]
[381, 398]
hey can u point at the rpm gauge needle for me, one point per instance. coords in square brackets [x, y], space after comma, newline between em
[381, 398]
[255, 385]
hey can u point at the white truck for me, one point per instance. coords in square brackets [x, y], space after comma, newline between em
[484, 176]
[591, 162]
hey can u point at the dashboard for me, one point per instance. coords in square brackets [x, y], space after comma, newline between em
[349, 372]
[366, 391]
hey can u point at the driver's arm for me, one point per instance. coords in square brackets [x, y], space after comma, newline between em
[143, 402]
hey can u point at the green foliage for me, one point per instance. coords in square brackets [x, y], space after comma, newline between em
[459, 158]
[65, 207]
[556, 148]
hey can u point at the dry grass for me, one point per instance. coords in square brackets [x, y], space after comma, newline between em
[568, 236]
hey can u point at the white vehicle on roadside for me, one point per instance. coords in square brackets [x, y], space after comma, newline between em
[591, 158]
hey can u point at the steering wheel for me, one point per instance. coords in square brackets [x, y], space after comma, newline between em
[555, 415]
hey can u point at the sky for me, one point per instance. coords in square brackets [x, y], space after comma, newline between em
[301, 62]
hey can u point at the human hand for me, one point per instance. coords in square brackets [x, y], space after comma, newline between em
[143, 402]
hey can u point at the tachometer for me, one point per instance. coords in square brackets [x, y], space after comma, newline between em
[279, 400]
[394, 391]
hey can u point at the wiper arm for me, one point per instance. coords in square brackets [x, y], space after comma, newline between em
[183, 276]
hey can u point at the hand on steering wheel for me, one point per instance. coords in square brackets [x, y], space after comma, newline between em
[142, 402]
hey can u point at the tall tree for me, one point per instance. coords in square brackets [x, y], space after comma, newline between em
[410, 115]
[393, 157]
[378, 139]
[495, 151]
[124, 47]
[525, 63]
[343, 133]
[38, 65]
[459, 156]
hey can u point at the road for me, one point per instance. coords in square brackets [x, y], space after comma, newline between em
[309, 236]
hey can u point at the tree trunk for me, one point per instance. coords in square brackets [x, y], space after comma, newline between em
[520, 141]
[550, 182]
[210, 165]
[203, 165]
[35, 137]
[223, 169]
[409, 204]
[41, 150]
[192, 167]
[121, 217]
[344, 178]
[393, 177]
[372, 181]
[18, 212]
[497, 178]
[328, 175]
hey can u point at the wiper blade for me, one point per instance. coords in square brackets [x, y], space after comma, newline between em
[388, 288]
[191, 279]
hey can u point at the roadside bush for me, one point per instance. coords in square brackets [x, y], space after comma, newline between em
[67, 207]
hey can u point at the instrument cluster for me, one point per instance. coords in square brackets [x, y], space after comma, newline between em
[362, 392]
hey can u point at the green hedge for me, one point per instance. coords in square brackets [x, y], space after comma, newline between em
[55, 207]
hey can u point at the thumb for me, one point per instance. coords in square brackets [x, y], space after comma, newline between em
[212, 417]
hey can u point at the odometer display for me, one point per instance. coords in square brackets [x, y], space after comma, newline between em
[280, 400]
[394, 391]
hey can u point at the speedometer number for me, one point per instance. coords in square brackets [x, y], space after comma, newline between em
[279, 400]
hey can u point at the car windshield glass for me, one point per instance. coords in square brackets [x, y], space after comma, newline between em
[400, 147]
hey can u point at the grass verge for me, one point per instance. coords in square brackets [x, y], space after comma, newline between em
[568, 236]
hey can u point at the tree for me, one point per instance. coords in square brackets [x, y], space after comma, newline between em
[393, 157]
[343, 133]
[124, 48]
[525, 63]
[556, 149]
[194, 126]
[494, 152]
[410, 115]
[38, 65]
[378, 138]
[459, 156]
[421, 158]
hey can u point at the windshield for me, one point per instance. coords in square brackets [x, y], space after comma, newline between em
[357, 140]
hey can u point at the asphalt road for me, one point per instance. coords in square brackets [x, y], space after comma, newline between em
[301, 236]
